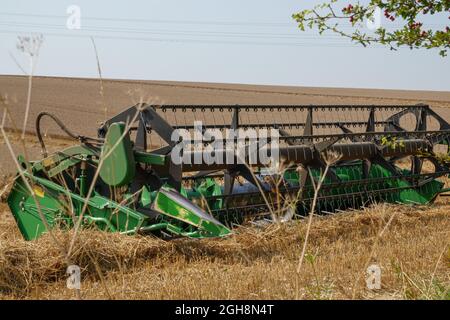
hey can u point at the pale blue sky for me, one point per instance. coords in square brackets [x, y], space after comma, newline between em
[251, 41]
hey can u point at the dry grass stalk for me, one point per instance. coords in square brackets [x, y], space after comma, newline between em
[330, 158]
[100, 76]
[31, 47]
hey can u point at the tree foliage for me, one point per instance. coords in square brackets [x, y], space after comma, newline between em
[408, 16]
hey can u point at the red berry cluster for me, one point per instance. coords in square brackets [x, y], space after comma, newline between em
[415, 25]
[348, 9]
[388, 15]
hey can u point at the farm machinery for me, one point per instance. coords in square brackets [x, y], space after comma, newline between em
[142, 175]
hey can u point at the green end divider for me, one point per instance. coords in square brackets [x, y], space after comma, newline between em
[172, 204]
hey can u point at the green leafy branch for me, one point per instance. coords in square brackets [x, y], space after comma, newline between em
[326, 17]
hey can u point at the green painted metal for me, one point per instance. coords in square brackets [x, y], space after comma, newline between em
[179, 215]
[146, 197]
[26, 211]
[52, 202]
[118, 164]
[400, 190]
[206, 189]
[172, 204]
[74, 153]
[150, 158]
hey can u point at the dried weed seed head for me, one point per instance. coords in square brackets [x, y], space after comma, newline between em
[30, 45]
[140, 96]
[331, 157]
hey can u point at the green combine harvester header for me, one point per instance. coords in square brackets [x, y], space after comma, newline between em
[126, 179]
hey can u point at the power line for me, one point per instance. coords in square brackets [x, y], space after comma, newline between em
[222, 23]
[198, 41]
[192, 22]
[198, 36]
[191, 33]
[178, 32]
